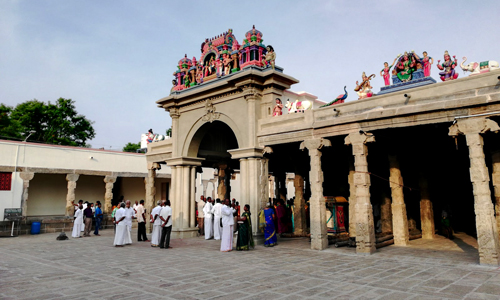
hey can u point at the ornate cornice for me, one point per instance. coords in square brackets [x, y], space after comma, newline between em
[210, 114]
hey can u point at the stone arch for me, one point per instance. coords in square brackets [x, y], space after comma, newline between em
[196, 134]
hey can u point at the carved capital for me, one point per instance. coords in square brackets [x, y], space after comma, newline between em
[473, 126]
[154, 166]
[174, 112]
[359, 138]
[251, 93]
[315, 144]
[26, 176]
[72, 177]
[267, 150]
[109, 179]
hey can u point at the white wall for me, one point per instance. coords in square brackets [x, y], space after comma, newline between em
[12, 198]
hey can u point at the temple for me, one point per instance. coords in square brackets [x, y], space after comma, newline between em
[401, 161]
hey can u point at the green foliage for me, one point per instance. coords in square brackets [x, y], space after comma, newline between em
[132, 147]
[57, 123]
[9, 128]
[169, 132]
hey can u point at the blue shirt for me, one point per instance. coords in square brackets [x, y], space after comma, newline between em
[98, 211]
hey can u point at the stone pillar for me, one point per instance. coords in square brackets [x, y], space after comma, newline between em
[222, 189]
[399, 218]
[149, 202]
[426, 210]
[176, 204]
[251, 95]
[244, 192]
[299, 213]
[319, 237]
[108, 195]
[495, 176]
[281, 185]
[186, 196]
[26, 177]
[174, 114]
[192, 199]
[70, 196]
[271, 185]
[386, 213]
[486, 227]
[365, 232]
[352, 200]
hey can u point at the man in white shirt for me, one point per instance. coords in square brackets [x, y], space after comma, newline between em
[166, 218]
[201, 217]
[155, 219]
[217, 212]
[141, 222]
[134, 207]
[121, 227]
[207, 211]
[226, 244]
[129, 215]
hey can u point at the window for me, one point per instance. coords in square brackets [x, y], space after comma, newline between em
[5, 181]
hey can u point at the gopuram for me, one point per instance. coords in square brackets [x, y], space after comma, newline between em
[404, 161]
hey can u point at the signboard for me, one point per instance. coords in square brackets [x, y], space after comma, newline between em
[12, 213]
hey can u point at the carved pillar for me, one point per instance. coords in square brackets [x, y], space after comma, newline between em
[149, 203]
[26, 177]
[108, 195]
[70, 196]
[244, 192]
[365, 232]
[399, 218]
[299, 213]
[222, 188]
[251, 95]
[495, 176]
[174, 114]
[176, 204]
[426, 210]
[185, 197]
[319, 237]
[487, 231]
[352, 200]
[281, 185]
[192, 199]
[386, 213]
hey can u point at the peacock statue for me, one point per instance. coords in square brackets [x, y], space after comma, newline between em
[340, 99]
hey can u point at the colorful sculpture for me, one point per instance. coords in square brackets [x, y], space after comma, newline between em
[364, 89]
[406, 65]
[427, 61]
[448, 67]
[222, 56]
[479, 67]
[278, 108]
[385, 71]
[270, 57]
[340, 99]
[298, 106]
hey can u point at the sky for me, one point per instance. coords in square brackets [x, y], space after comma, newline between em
[116, 58]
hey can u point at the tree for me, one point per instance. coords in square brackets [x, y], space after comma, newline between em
[169, 132]
[8, 128]
[57, 123]
[131, 147]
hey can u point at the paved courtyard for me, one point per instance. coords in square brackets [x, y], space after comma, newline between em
[39, 267]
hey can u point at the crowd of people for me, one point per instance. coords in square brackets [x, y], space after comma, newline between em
[218, 220]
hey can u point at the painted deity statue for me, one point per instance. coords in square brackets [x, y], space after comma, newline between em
[364, 89]
[406, 66]
[448, 67]
[278, 108]
[385, 71]
[428, 61]
[227, 64]
[270, 57]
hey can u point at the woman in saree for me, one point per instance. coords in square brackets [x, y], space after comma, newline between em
[270, 238]
[245, 238]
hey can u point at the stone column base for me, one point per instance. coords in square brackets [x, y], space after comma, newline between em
[184, 233]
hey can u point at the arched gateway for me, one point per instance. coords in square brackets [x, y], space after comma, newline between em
[221, 107]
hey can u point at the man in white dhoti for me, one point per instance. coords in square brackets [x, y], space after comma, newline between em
[155, 219]
[121, 227]
[209, 221]
[129, 215]
[226, 244]
[78, 222]
[217, 212]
